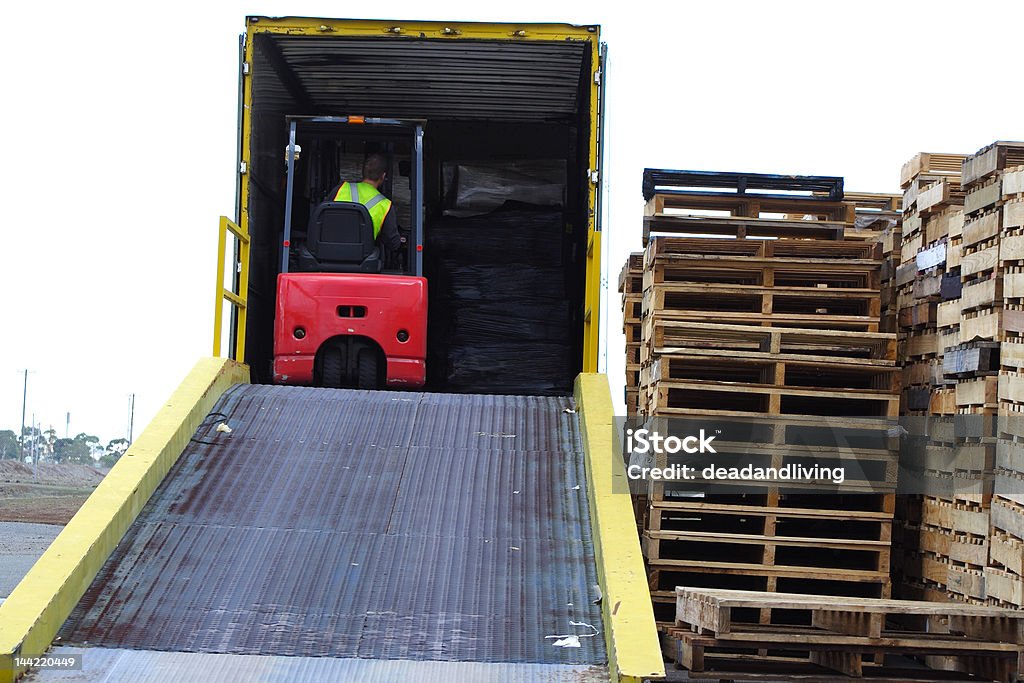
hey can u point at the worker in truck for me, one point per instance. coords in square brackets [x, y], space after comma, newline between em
[367, 192]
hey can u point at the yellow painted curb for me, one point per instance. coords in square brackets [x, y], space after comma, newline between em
[39, 605]
[631, 636]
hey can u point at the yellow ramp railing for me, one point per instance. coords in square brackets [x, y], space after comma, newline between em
[631, 635]
[237, 294]
[39, 604]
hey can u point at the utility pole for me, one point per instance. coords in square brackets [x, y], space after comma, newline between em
[131, 418]
[67, 427]
[21, 440]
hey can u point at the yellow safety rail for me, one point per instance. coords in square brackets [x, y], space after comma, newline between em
[238, 297]
[631, 636]
[39, 605]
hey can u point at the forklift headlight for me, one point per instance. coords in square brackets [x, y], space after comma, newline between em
[299, 332]
[403, 336]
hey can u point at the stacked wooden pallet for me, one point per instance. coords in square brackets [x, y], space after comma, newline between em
[631, 289]
[929, 220]
[995, 206]
[958, 538]
[878, 218]
[745, 205]
[934, 531]
[889, 224]
[758, 332]
[719, 634]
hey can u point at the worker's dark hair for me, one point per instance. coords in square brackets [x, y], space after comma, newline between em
[374, 167]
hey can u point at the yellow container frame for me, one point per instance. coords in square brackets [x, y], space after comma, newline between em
[397, 30]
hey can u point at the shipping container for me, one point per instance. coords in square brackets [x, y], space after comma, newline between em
[502, 104]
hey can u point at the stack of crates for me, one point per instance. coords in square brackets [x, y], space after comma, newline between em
[631, 289]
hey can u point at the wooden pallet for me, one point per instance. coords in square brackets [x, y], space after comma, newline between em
[931, 163]
[769, 271]
[982, 227]
[632, 309]
[948, 224]
[631, 288]
[769, 536]
[791, 370]
[812, 302]
[668, 336]
[923, 314]
[749, 195]
[741, 227]
[940, 195]
[634, 265]
[874, 201]
[715, 398]
[973, 359]
[1008, 515]
[985, 196]
[631, 282]
[1013, 181]
[920, 345]
[847, 323]
[667, 247]
[848, 635]
[991, 159]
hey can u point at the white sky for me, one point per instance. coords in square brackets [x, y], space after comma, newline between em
[120, 151]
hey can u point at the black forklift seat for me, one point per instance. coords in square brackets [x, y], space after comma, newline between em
[340, 240]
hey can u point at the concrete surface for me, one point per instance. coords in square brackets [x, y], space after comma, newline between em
[21, 543]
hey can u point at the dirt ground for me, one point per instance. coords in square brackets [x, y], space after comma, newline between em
[46, 494]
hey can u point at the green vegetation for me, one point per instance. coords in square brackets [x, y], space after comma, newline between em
[44, 446]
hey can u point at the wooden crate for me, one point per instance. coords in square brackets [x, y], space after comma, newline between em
[986, 196]
[931, 163]
[939, 195]
[989, 160]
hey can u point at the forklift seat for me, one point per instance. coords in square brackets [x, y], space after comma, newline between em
[340, 240]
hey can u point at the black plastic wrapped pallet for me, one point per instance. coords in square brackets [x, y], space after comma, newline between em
[512, 319]
[501, 311]
[505, 281]
[533, 368]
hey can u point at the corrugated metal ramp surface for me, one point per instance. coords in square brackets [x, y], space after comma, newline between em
[106, 665]
[369, 525]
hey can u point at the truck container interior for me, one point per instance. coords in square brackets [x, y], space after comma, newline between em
[506, 140]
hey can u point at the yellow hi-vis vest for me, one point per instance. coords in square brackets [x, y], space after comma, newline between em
[363, 193]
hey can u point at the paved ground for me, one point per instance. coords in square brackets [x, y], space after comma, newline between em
[20, 545]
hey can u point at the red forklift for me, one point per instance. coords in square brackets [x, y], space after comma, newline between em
[347, 314]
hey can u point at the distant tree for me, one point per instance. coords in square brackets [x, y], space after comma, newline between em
[77, 450]
[9, 446]
[49, 438]
[113, 452]
[32, 441]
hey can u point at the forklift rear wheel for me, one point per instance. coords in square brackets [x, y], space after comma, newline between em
[333, 367]
[366, 368]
